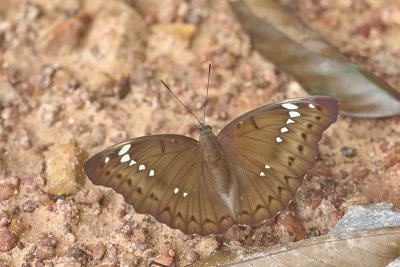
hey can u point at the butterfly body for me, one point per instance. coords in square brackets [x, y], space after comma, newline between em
[246, 174]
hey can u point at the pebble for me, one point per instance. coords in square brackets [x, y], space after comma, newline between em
[79, 254]
[8, 239]
[48, 112]
[4, 218]
[292, 226]
[391, 159]
[122, 88]
[334, 217]
[29, 206]
[16, 226]
[348, 151]
[162, 260]
[358, 173]
[111, 253]
[128, 259]
[207, 246]
[48, 240]
[99, 251]
[190, 257]
[89, 196]
[64, 169]
[44, 252]
[116, 41]
[6, 191]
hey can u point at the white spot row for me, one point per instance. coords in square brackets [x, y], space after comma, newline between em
[132, 163]
[142, 167]
[125, 158]
[124, 149]
[176, 190]
[284, 130]
[107, 160]
[262, 174]
[311, 105]
[290, 106]
[151, 173]
[279, 140]
[289, 121]
[267, 166]
[294, 114]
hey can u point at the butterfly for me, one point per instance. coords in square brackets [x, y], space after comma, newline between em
[246, 174]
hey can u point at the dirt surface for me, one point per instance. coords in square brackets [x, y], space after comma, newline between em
[78, 76]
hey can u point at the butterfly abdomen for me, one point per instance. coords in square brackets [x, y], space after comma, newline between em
[215, 161]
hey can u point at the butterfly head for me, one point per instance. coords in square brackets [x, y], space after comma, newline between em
[204, 130]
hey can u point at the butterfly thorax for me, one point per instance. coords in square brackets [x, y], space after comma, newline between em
[215, 162]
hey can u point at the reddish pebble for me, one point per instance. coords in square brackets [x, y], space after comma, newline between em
[99, 251]
[6, 191]
[334, 217]
[292, 226]
[358, 173]
[111, 253]
[162, 260]
[391, 158]
[326, 172]
[8, 239]
[44, 253]
[39, 264]
[79, 254]
[48, 241]
[29, 206]
[384, 146]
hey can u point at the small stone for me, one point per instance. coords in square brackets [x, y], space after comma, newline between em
[29, 206]
[39, 264]
[89, 196]
[4, 218]
[64, 169]
[122, 88]
[128, 259]
[289, 222]
[16, 226]
[190, 257]
[125, 229]
[48, 112]
[8, 239]
[6, 191]
[79, 254]
[111, 254]
[348, 151]
[44, 252]
[207, 246]
[48, 241]
[334, 217]
[358, 173]
[162, 260]
[99, 251]
[391, 159]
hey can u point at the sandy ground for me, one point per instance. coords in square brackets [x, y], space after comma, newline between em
[78, 76]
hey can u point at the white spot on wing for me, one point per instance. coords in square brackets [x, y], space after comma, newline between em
[176, 190]
[278, 139]
[289, 121]
[294, 114]
[185, 194]
[267, 166]
[311, 105]
[151, 173]
[284, 130]
[124, 149]
[125, 158]
[132, 163]
[262, 174]
[107, 160]
[290, 106]
[141, 167]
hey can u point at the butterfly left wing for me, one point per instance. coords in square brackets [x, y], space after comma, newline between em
[164, 176]
[270, 149]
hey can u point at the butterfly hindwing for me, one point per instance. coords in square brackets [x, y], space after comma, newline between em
[165, 176]
[271, 148]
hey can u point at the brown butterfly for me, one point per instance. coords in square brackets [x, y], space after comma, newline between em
[244, 175]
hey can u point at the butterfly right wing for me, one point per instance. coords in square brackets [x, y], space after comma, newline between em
[165, 176]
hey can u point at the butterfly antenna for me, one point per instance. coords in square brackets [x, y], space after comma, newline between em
[181, 102]
[205, 105]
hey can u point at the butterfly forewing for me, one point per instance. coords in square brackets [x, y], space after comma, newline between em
[271, 148]
[165, 176]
